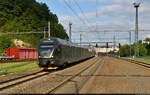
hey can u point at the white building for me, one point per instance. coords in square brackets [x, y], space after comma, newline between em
[106, 50]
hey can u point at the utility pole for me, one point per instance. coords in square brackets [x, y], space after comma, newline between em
[70, 31]
[49, 35]
[130, 41]
[136, 5]
[80, 39]
[114, 42]
[107, 46]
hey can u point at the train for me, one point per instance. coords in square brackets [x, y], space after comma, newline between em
[18, 53]
[55, 53]
[22, 53]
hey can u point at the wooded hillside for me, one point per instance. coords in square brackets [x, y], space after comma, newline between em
[26, 16]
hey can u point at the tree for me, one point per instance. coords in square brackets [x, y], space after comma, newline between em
[140, 41]
[147, 40]
[125, 50]
[29, 15]
[5, 42]
[142, 50]
[147, 45]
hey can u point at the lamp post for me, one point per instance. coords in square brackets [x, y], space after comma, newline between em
[136, 5]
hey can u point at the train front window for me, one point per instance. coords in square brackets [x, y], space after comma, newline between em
[45, 50]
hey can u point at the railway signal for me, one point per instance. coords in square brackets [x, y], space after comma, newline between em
[119, 45]
[107, 44]
[96, 45]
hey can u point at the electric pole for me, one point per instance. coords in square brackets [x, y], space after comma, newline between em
[130, 41]
[49, 35]
[114, 42]
[70, 31]
[136, 5]
[80, 39]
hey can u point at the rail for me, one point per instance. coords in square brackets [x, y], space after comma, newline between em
[137, 62]
[70, 79]
[22, 79]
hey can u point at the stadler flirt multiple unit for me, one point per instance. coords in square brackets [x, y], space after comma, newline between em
[55, 52]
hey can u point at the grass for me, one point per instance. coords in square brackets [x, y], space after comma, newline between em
[147, 56]
[17, 67]
[14, 64]
[138, 59]
[142, 60]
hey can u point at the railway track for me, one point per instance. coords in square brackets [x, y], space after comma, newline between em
[16, 81]
[17, 85]
[71, 78]
[137, 62]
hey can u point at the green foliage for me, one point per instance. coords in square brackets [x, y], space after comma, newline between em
[147, 40]
[5, 42]
[26, 16]
[147, 45]
[125, 50]
[142, 50]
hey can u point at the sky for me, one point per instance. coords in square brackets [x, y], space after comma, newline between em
[99, 15]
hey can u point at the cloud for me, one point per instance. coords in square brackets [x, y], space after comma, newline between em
[148, 36]
[118, 15]
[121, 14]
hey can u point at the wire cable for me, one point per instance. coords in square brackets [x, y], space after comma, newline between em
[76, 15]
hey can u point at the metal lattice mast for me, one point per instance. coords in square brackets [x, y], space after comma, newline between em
[136, 5]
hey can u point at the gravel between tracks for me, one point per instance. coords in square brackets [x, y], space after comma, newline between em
[119, 76]
[43, 84]
[113, 76]
[15, 75]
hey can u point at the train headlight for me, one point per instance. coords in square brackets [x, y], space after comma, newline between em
[52, 62]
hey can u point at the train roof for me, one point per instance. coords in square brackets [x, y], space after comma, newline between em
[61, 41]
